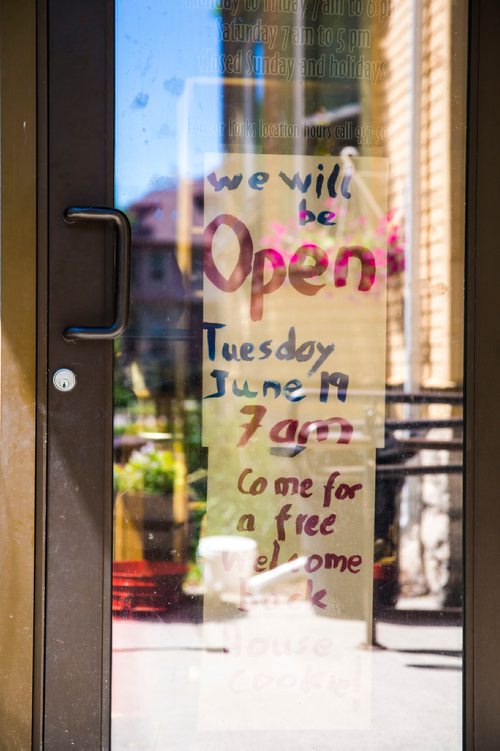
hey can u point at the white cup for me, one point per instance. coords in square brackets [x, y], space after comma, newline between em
[227, 563]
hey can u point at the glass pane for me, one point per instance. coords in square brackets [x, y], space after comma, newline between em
[288, 394]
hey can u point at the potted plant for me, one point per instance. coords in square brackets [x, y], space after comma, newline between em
[149, 542]
[144, 508]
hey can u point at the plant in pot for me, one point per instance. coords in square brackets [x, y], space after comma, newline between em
[149, 547]
[144, 508]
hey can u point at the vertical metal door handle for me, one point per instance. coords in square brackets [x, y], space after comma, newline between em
[122, 272]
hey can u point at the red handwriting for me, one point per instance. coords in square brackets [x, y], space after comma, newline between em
[309, 524]
[288, 431]
[308, 262]
[282, 485]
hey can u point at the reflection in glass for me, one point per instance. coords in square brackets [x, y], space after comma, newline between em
[209, 638]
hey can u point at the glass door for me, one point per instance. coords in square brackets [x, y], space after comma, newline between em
[254, 519]
[288, 394]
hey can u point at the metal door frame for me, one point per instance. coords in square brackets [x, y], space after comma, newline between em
[482, 363]
[76, 155]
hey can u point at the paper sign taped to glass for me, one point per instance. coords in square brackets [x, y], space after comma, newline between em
[294, 299]
[293, 409]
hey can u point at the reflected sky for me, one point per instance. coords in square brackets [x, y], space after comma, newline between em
[152, 78]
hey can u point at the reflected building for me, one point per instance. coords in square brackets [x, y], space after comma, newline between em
[166, 306]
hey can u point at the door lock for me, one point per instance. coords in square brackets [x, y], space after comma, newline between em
[64, 379]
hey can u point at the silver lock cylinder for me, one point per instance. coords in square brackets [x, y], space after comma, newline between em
[64, 379]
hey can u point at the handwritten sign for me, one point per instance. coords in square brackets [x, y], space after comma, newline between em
[294, 300]
[293, 380]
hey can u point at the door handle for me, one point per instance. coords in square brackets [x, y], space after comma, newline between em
[122, 271]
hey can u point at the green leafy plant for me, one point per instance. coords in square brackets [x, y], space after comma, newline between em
[150, 471]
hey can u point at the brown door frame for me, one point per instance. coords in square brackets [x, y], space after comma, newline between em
[72, 655]
[76, 98]
[18, 285]
[482, 434]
